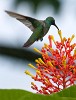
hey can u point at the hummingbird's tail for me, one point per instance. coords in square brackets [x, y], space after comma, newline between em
[27, 44]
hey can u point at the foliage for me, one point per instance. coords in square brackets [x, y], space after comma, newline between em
[54, 3]
[16, 94]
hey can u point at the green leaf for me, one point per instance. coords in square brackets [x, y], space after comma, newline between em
[69, 92]
[17, 94]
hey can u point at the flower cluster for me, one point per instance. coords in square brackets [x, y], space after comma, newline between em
[56, 69]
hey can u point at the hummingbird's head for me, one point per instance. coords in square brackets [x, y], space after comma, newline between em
[51, 21]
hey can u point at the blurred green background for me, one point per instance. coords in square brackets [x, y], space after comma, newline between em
[13, 34]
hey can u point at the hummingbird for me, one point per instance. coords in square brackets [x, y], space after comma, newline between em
[38, 27]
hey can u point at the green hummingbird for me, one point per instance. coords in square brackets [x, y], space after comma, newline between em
[38, 27]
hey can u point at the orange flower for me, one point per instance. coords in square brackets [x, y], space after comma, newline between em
[56, 69]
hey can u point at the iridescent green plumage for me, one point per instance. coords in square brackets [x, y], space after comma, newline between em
[39, 27]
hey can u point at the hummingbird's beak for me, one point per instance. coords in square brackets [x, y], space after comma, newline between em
[56, 26]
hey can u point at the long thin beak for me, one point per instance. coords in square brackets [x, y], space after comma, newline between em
[56, 26]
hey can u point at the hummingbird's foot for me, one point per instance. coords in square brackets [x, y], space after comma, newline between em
[41, 39]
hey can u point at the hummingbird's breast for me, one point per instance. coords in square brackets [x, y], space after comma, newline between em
[45, 29]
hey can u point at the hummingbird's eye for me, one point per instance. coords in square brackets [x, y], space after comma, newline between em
[53, 22]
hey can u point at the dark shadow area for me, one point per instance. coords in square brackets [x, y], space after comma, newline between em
[19, 53]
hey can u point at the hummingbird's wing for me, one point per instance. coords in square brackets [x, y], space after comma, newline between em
[28, 21]
[36, 35]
